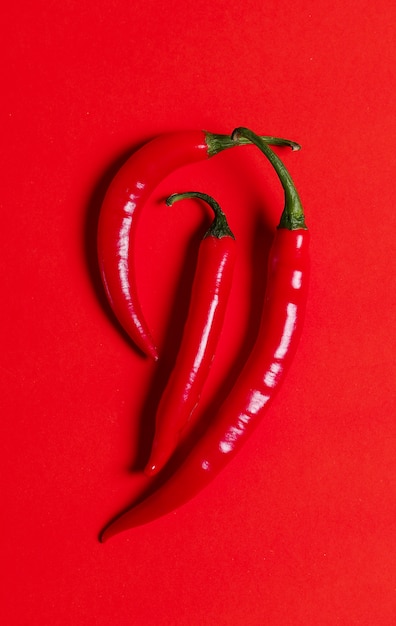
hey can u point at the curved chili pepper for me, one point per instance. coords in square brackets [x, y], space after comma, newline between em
[210, 291]
[280, 329]
[128, 192]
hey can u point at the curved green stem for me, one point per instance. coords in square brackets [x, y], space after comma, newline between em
[216, 142]
[219, 227]
[292, 217]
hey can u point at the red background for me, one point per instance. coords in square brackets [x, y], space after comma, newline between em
[300, 529]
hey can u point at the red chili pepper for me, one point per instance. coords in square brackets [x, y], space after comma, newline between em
[128, 192]
[280, 330]
[210, 291]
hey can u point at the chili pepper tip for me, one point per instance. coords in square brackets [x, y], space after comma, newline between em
[102, 538]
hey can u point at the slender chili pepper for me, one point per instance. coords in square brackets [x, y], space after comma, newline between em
[209, 296]
[250, 397]
[123, 202]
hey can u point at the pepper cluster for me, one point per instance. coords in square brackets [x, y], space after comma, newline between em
[281, 320]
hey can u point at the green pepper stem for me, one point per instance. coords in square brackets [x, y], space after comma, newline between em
[292, 216]
[219, 227]
[216, 142]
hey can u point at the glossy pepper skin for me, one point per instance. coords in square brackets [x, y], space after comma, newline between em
[122, 205]
[263, 373]
[204, 322]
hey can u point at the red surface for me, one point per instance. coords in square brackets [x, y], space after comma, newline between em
[301, 528]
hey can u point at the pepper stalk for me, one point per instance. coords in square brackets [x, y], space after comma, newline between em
[217, 143]
[219, 227]
[292, 217]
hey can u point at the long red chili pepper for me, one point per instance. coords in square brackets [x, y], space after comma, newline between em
[128, 192]
[280, 329]
[210, 291]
